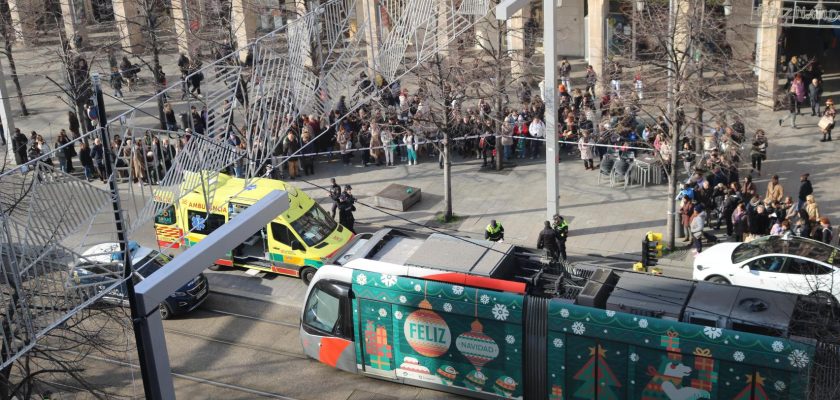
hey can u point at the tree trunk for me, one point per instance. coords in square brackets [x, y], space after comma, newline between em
[15, 79]
[673, 181]
[447, 178]
[156, 68]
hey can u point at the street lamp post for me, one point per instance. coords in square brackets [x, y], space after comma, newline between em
[505, 10]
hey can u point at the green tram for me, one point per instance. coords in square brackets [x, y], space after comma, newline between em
[488, 320]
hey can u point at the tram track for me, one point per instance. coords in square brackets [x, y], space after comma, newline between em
[234, 344]
[294, 325]
[176, 375]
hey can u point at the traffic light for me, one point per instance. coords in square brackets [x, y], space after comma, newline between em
[651, 249]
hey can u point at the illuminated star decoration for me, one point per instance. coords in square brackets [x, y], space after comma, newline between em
[602, 352]
[759, 380]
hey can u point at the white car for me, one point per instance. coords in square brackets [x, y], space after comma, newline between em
[793, 265]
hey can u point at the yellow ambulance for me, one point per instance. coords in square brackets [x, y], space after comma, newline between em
[295, 243]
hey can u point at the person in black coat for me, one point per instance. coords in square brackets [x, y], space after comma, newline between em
[197, 121]
[824, 233]
[86, 160]
[805, 189]
[548, 240]
[759, 221]
[346, 208]
[730, 203]
[19, 143]
[803, 224]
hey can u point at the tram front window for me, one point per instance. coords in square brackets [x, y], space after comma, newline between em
[322, 311]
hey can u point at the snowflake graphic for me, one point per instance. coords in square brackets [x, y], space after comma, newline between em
[510, 339]
[403, 299]
[417, 288]
[643, 323]
[564, 313]
[388, 280]
[780, 386]
[500, 312]
[558, 343]
[447, 307]
[397, 314]
[798, 359]
[484, 299]
[610, 313]
[198, 222]
[738, 356]
[361, 279]
[578, 328]
[778, 346]
[634, 357]
[712, 333]
[457, 290]
[383, 313]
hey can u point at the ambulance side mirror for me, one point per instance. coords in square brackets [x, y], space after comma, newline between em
[297, 246]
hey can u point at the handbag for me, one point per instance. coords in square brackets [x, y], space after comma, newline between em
[825, 122]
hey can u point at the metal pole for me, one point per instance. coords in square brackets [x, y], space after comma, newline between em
[122, 238]
[159, 285]
[6, 114]
[550, 85]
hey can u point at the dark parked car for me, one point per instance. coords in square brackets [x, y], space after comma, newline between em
[100, 266]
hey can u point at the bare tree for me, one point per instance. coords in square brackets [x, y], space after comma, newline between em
[10, 34]
[691, 80]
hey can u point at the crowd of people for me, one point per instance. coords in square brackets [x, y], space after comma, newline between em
[747, 213]
[397, 127]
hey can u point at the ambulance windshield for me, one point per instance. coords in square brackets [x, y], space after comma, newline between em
[314, 225]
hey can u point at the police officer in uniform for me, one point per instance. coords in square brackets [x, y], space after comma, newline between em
[561, 230]
[495, 232]
[346, 208]
[548, 241]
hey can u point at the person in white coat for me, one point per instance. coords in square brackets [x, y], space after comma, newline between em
[537, 132]
[585, 147]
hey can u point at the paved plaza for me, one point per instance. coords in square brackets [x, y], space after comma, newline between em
[605, 221]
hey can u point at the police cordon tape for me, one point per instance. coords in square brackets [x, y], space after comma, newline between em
[461, 138]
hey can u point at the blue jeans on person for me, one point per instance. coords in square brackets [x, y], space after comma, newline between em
[507, 151]
[88, 171]
[698, 243]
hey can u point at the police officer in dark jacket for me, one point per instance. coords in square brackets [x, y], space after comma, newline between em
[561, 230]
[346, 208]
[548, 241]
[335, 194]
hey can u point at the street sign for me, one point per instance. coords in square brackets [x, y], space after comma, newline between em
[802, 14]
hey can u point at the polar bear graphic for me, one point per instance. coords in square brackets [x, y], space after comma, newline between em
[666, 383]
